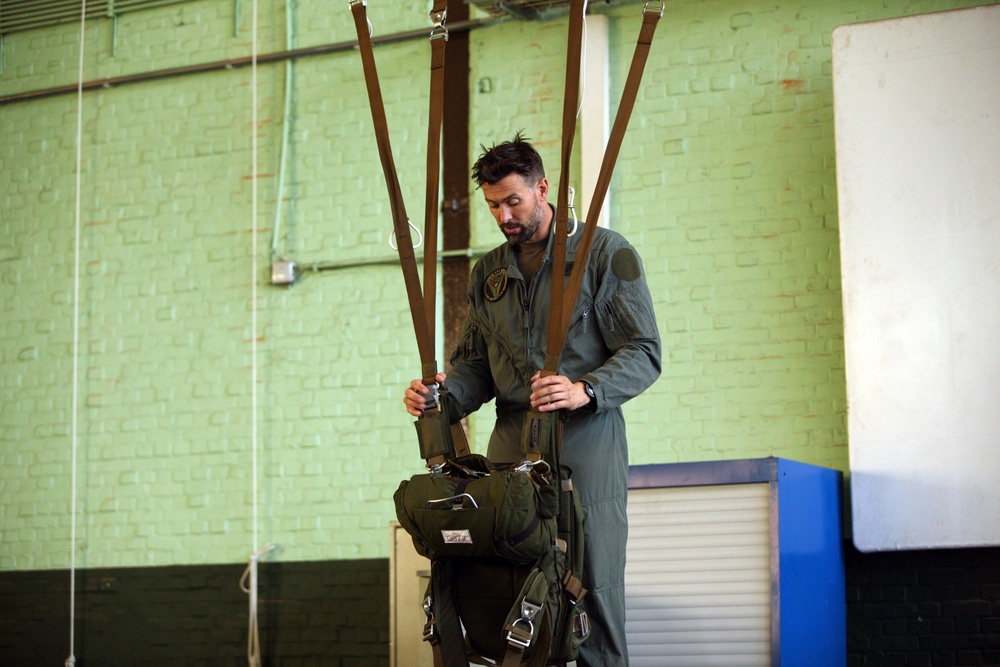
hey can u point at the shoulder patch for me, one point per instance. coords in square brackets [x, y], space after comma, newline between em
[625, 265]
[495, 285]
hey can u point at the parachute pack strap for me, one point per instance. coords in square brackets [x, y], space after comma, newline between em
[525, 621]
[407, 260]
[435, 115]
[573, 587]
[650, 19]
[459, 440]
[447, 627]
[571, 95]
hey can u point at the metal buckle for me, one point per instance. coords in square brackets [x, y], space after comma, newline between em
[581, 625]
[438, 19]
[523, 643]
[663, 7]
[431, 398]
[529, 610]
[529, 466]
[430, 634]
[352, 3]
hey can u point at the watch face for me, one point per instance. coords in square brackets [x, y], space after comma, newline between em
[589, 390]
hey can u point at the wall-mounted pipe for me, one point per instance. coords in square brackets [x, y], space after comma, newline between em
[233, 63]
[392, 260]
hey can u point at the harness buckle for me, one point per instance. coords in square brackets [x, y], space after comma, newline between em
[581, 625]
[529, 610]
[529, 466]
[431, 398]
[663, 7]
[430, 631]
[522, 639]
[438, 19]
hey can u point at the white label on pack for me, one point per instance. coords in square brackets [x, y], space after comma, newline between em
[456, 536]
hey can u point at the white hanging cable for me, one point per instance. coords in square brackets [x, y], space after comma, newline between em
[253, 638]
[253, 263]
[579, 108]
[71, 660]
[253, 633]
[583, 63]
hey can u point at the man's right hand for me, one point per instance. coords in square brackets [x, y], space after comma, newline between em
[415, 398]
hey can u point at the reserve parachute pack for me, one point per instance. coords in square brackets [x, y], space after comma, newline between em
[505, 541]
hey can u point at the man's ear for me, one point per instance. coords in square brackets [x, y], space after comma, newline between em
[542, 188]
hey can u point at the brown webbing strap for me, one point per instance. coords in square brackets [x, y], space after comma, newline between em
[563, 312]
[571, 98]
[422, 305]
[438, 38]
[650, 19]
[421, 327]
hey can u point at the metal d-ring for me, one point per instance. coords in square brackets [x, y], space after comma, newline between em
[663, 7]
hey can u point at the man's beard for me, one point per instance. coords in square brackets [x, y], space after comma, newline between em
[525, 230]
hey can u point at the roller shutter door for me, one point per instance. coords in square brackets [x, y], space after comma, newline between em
[698, 576]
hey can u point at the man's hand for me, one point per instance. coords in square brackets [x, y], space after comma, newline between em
[415, 398]
[556, 392]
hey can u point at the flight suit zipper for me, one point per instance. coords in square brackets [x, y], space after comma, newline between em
[526, 304]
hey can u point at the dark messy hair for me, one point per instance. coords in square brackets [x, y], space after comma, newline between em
[516, 156]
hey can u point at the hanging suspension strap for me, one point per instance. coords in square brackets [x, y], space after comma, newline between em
[439, 440]
[435, 116]
[574, 47]
[563, 310]
[650, 19]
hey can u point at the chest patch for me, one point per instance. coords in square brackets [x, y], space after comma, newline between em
[495, 285]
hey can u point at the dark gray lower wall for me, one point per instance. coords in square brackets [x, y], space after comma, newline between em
[333, 613]
[937, 608]
[916, 608]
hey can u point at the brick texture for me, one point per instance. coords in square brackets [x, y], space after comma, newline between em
[927, 608]
[725, 183]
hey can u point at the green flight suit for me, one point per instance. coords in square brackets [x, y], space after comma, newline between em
[613, 344]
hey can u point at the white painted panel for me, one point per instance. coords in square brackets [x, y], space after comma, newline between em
[917, 106]
[409, 573]
[698, 576]
[595, 125]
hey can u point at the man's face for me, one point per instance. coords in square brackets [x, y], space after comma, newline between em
[519, 207]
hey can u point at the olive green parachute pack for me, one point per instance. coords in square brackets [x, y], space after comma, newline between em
[505, 541]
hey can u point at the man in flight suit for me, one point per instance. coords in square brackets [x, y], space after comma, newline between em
[612, 353]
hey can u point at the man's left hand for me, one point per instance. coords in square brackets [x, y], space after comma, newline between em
[557, 392]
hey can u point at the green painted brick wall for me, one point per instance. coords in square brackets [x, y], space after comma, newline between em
[726, 184]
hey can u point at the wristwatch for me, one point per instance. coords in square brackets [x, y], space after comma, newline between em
[591, 395]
